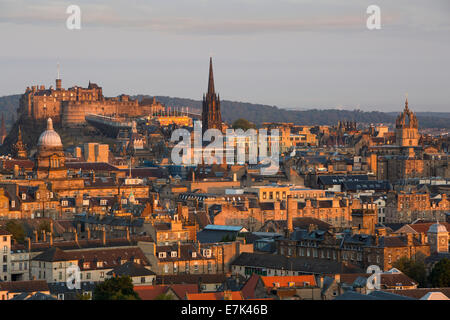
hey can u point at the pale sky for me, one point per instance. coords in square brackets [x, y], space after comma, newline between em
[291, 53]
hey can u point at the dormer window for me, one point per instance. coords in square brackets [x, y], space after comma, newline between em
[162, 255]
[207, 253]
[173, 254]
[24, 196]
[86, 265]
[194, 254]
[99, 264]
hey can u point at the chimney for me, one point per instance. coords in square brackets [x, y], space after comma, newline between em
[291, 210]
[50, 239]
[409, 239]
[58, 84]
[28, 243]
[227, 295]
[16, 170]
[104, 236]
[337, 278]
[321, 281]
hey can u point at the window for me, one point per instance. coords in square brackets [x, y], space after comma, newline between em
[194, 254]
[173, 254]
[88, 275]
[166, 268]
[142, 279]
[162, 255]
[102, 274]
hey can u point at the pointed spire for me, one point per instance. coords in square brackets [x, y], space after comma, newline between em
[19, 135]
[406, 102]
[211, 78]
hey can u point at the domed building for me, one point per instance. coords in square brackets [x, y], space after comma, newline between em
[50, 159]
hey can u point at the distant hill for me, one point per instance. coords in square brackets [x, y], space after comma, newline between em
[258, 113]
[9, 105]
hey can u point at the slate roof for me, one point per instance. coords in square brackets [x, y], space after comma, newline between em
[24, 286]
[131, 269]
[298, 264]
[419, 292]
[375, 295]
[331, 180]
[190, 278]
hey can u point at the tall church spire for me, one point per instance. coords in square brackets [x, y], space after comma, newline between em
[211, 78]
[211, 116]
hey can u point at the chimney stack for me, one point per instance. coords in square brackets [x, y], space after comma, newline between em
[291, 209]
[104, 236]
[28, 243]
[50, 239]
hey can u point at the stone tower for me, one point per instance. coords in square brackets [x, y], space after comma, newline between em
[19, 147]
[438, 238]
[211, 116]
[407, 128]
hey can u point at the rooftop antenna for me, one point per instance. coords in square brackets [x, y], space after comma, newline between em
[57, 68]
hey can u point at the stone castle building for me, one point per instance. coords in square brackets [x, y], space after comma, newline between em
[70, 106]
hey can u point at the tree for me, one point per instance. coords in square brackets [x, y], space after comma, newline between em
[116, 288]
[44, 226]
[413, 268]
[440, 274]
[243, 124]
[16, 229]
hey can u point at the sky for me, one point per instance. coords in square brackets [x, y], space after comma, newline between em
[296, 54]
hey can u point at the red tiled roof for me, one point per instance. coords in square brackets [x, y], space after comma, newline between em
[151, 292]
[423, 227]
[285, 281]
[248, 290]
